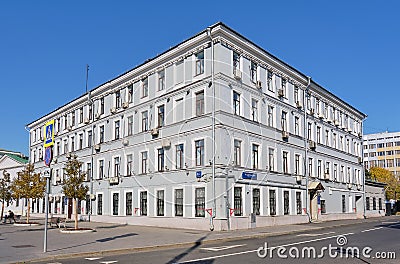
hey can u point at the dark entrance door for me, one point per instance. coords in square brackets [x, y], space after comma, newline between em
[69, 208]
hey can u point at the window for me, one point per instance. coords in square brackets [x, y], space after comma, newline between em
[298, 203]
[143, 203]
[89, 138]
[199, 152]
[271, 159]
[296, 95]
[343, 203]
[373, 203]
[297, 164]
[179, 202]
[237, 157]
[161, 80]
[309, 131]
[160, 159]
[101, 105]
[327, 137]
[179, 156]
[284, 82]
[253, 71]
[81, 115]
[269, 81]
[145, 121]
[236, 62]
[65, 124]
[101, 169]
[319, 169]
[256, 201]
[161, 116]
[200, 103]
[285, 162]
[318, 134]
[116, 129]
[380, 203]
[254, 110]
[335, 175]
[270, 116]
[237, 201]
[101, 136]
[272, 202]
[88, 174]
[130, 125]
[99, 204]
[200, 202]
[323, 206]
[317, 110]
[310, 167]
[116, 167]
[236, 103]
[130, 93]
[254, 156]
[285, 202]
[145, 87]
[334, 140]
[144, 162]
[129, 164]
[128, 203]
[115, 203]
[367, 204]
[117, 99]
[72, 120]
[283, 121]
[296, 126]
[200, 63]
[72, 145]
[160, 203]
[80, 141]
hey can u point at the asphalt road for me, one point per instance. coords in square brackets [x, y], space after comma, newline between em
[360, 243]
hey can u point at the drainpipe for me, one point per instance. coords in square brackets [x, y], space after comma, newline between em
[213, 130]
[363, 168]
[305, 96]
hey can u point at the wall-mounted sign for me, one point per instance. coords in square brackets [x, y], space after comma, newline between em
[198, 174]
[49, 134]
[249, 175]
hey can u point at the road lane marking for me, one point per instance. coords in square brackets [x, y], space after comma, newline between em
[223, 247]
[313, 235]
[372, 229]
[255, 250]
[390, 222]
[93, 258]
[109, 262]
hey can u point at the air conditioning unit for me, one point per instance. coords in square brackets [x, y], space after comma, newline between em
[125, 104]
[97, 147]
[166, 143]
[154, 132]
[312, 111]
[92, 196]
[68, 156]
[69, 128]
[51, 199]
[113, 110]
[359, 187]
[259, 84]
[285, 134]
[125, 142]
[329, 120]
[86, 121]
[237, 74]
[58, 198]
[298, 178]
[58, 179]
[321, 116]
[86, 179]
[313, 145]
[337, 123]
[113, 180]
[56, 133]
[349, 185]
[281, 93]
[298, 105]
[97, 115]
[326, 175]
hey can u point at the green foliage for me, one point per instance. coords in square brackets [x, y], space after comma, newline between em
[392, 188]
[28, 185]
[73, 185]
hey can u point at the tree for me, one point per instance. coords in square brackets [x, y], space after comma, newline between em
[5, 193]
[28, 185]
[73, 185]
[385, 176]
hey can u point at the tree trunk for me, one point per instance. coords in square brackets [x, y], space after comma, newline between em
[28, 211]
[76, 212]
[2, 209]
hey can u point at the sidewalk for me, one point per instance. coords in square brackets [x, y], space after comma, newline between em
[26, 243]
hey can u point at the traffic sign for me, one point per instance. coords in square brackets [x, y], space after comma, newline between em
[49, 134]
[48, 156]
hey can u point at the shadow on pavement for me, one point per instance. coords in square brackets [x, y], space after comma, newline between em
[187, 251]
[116, 237]
[110, 227]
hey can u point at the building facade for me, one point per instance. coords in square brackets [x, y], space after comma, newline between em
[382, 150]
[213, 133]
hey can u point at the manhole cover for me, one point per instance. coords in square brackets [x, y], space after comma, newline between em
[23, 246]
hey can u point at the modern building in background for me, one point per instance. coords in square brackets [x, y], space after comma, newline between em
[382, 150]
[213, 133]
[11, 163]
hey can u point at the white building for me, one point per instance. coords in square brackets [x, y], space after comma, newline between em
[147, 138]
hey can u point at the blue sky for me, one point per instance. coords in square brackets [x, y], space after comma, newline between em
[349, 47]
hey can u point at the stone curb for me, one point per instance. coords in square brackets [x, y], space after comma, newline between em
[180, 245]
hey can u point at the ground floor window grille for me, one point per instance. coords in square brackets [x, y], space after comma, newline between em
[343, 203]
[115, 203]
[179, 202]
[380, 203]
[160, 203]
[272, 202]
[256, 201]
[237, 201]
[373, 203]
[286, 202]
[323, 207]
[298, 203]
[99, 204]
[128, 201]
[200, 202]
[367, 204]
[143, 203]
